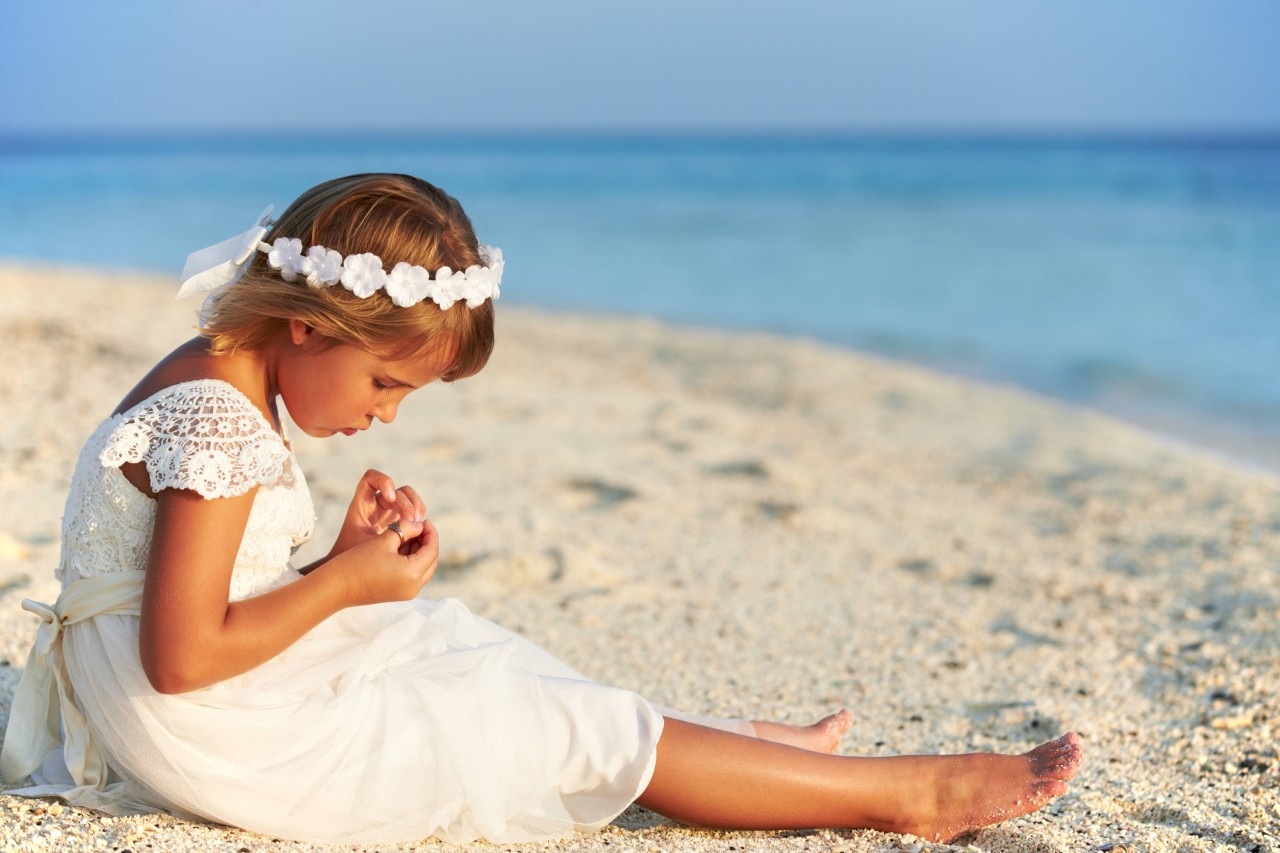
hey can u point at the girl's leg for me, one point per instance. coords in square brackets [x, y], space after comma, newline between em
[822, 736]
[712, 778]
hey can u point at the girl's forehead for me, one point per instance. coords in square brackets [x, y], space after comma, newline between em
[423, 367]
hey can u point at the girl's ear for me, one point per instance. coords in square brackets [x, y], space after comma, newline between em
[299, 332]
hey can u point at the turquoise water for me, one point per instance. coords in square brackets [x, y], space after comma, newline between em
[1138, 276]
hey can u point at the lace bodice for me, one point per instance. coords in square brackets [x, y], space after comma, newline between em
[205, 436]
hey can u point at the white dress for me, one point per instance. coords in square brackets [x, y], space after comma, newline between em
[384, 723]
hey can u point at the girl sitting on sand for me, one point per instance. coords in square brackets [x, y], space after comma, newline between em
[187, 666]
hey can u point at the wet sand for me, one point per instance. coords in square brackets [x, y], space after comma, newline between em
[756, 526]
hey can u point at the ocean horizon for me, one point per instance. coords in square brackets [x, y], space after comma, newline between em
[1139, 275]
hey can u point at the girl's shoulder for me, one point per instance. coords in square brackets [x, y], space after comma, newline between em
[191, 373]
[211, 400]
[204, 435]
[192, 423]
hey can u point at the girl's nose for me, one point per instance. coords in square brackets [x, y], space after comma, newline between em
[386, 412]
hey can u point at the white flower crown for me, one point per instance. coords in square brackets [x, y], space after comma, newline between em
[407, 284]
[219, 266]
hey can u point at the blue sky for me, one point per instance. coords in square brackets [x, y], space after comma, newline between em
[395, 65]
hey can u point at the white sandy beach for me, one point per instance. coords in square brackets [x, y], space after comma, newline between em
[755, 526]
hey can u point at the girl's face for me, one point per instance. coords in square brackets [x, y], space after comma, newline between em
[343, 388]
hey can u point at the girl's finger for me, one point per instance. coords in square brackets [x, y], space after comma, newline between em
[404, 505]
[428, 535]
[430, 542]
[386, 495]
[393, 538]
[419, 508]
[411, 529]
[426, 547]
[378, 482]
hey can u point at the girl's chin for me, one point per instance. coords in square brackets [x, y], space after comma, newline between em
[326, 432]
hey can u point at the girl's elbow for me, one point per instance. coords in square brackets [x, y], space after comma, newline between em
[168, 677]
[168, 683]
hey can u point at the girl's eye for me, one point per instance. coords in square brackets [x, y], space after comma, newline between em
[380, 385]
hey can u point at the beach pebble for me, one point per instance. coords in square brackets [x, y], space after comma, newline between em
[1232, 722]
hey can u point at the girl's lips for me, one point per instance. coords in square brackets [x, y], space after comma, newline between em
[348, 431]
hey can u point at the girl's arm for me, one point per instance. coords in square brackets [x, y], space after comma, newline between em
[191, 635]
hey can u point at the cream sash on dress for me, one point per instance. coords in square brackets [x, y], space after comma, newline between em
[44, 714]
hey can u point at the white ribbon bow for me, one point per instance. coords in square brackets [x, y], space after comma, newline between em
[222, 264]
[44, 713]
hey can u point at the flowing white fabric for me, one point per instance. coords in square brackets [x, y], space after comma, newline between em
[215, 268]
[223, 264]
[386, 723]
[42, 704]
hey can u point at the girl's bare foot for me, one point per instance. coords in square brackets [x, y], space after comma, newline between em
[972, 791]
[822, 736]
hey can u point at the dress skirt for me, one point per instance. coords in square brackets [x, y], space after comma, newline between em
[385, 723]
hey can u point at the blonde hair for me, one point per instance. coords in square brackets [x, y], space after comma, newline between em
[396, 217]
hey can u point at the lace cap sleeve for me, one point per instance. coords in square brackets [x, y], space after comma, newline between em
[205, 436]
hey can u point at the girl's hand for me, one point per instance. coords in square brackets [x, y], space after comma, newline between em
[377, 503]
[389, 566]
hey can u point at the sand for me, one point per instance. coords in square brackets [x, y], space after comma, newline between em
[772, 528]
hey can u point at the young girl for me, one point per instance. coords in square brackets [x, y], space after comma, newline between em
[187, 666]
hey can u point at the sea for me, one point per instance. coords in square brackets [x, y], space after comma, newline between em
[1136, 275]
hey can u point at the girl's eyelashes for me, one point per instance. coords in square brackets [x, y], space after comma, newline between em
[381, 386]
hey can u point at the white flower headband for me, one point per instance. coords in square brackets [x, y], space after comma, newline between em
[217, 267]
